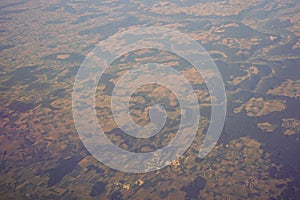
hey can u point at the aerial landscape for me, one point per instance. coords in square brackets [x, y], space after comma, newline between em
[255, 46]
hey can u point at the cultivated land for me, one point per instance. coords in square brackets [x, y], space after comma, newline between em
[255, 45]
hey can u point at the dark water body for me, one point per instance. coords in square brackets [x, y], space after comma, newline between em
[148, 146]
[111, 27]
[52, 8]
[2, 165]
[171, 126]
[242, 31]
[81, 9]
[55, 22]
[288, 69]
[59, 93]
[265, 43]
[5, 18]
[85, 18]
[264, 70]
[193, 189]
[51, 46]
[109, 86]
[8, 5]
[72, 71]
[250, 83]
[116, 196]
[276, 24]
[21, 107]
[24, 75]
[284, 50]
[3, 47]
[73, 57]
[9, 12]
[293, 106]
[98, 188]
[196, 26]
[230, 52]
[50, 72]
[290, 192]
[38, 86]
[229, 70]
[236, 127]
[258, 13]
[243, 95]
[283, 149]
[64, 167]
[89, 48]
[268, 84]
[96, 169]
